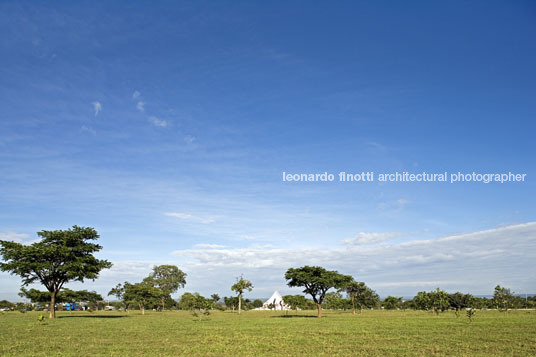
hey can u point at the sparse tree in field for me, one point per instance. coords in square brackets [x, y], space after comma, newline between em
[422, 301]
[295, 302]
[5, 303]
[68, 295]
[502, 297]
[335, 301]
[91, 297]
[257, 303]
[143, 294]
[195, 301]
[59, 257]
[392, 302]
[439, 300]
[361, 295]
[366, 297]
[231, 302]
[460, 301]
[40, 297]
[21, 307]
[65, 295]
[316, 282]
[201, 306]
[168, 278]
[215, 298]
[471, 314]
[239, 287]
[119, 292]
[187, 301]
[352, 289]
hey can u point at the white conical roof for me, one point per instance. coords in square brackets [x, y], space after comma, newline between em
[277, 300]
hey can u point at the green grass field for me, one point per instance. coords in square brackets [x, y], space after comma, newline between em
[254, 333]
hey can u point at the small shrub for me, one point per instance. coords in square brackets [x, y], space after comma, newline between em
[471, 314]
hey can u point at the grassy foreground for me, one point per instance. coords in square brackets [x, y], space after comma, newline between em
[371, 333]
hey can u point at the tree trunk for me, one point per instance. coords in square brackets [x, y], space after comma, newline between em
[142, 308]
[319, 307]
[239, 303]
[52, 306]
[163, 304]
[353, 305]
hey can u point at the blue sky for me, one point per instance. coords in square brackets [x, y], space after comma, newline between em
[167, 127]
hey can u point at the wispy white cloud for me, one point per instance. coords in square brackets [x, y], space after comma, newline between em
[158, 122]
[469, 262]
[363, 238]
[477, 261]
[97, 107]
[392, 206]
[189, 217]
[246, 237]
[88, 129]
[18, 238]
[13, 237]
[419, 283]
[140, 106]
[373, 237]
[136, 95]
[208, 246]
[189, 139]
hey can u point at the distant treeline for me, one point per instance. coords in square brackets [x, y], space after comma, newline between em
[436, 301]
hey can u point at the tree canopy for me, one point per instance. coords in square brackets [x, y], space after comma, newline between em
[316, 282]
[168, 278]
[59, 257]
[239, 287]
[502, 297]
[142, 294]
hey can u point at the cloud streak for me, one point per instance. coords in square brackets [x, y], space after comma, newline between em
[13, 237]
[158, 122]
[370, 238]
[97, 107]
[140, 106]
[189, 217]
[88, 130]
[471, 261]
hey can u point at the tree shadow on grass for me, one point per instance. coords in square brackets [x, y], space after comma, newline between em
[294, 316]
[92, 316]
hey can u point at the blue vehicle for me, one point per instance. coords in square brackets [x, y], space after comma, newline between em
[73, 306]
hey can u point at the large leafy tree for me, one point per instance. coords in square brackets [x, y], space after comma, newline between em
[365, 297]
[168, 278]
[460, 301]
[392, 302]
[360, 293]
[439, 300]
[316, 282]
[231, 302]
[187, 301]
[502, 297]
[37, 296]
[239, 287]
[422, 301]
[143, 294]
[295, 302]
[91, 297]
[59, 257]
[65, 295]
